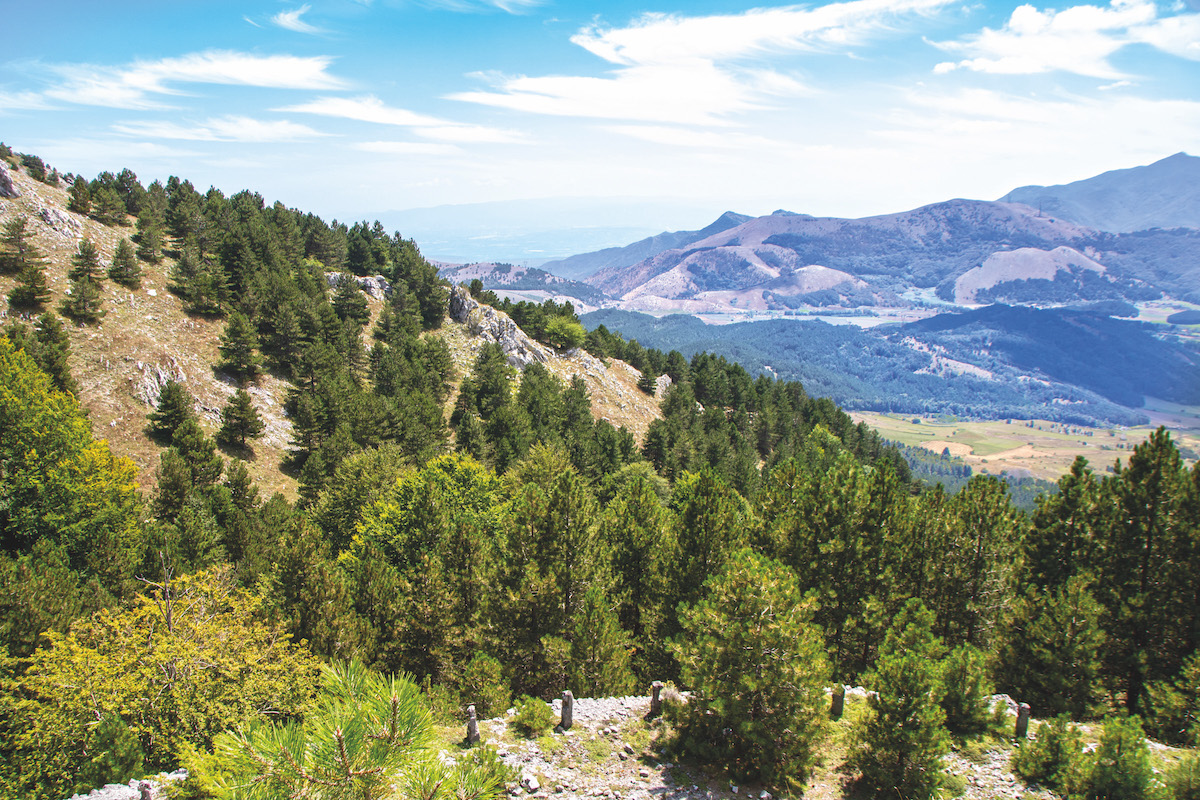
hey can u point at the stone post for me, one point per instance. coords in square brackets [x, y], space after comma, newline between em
[838, 701]
[472, 726]
[656, 698]
[568, 711]
[1022, 720]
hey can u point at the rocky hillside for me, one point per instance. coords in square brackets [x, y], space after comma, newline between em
[146, 339]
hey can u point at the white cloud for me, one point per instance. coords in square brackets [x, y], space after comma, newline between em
[23, 101]
[696, 70]
[135, 85]
[363, 109]
[467, 134]
[509, 6]
[1015, 129]
[1079, 39]
[689, 137]
[408, 148]
[223, 129]
[371, 109]
[661, 38]
[291, 21]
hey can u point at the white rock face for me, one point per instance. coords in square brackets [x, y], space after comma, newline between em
[7, 187]
[496, 326]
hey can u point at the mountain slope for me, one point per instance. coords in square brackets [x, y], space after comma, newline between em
[582, 265]
[769, 262]
[1165, 194]
[996, 362]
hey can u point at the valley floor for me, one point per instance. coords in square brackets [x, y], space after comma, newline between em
[1036, 448]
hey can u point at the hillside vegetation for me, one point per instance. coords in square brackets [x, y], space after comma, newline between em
[755, 548]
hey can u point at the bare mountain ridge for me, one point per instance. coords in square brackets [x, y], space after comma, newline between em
[869, 261]
[1165, 194]
[585, 264]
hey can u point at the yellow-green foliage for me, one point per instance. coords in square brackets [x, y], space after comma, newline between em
[180, 664]
[60, 483]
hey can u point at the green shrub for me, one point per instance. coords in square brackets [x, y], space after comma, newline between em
[534, 717]
[1119, 769]
[1176, 706]
[486, 761]
[1183, 780]
[118, 755]
[1051, 758]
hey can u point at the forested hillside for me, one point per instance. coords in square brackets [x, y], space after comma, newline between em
[490, 538]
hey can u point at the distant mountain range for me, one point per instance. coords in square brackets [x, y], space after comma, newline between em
[585, 264]
[1165, 194]
[961, 253]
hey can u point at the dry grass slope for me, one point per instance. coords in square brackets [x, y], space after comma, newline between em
[146, 338]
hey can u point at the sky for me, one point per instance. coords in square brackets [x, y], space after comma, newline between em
[347, 108]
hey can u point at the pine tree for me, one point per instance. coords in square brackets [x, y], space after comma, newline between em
[349, 301]
[107, 206]
[151, 230]
[55, 352]
[84, 303]
[899, 748]
[756, 666]
[238, 345]
[32, 291]
[81, 196]
[17, 251]
[86, 262]
[125, 269]
[175, 405]
[240, 420]
[198, 452]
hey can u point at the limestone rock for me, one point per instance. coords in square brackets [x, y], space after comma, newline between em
[60, 222]
[496, 326]
[376, 286]
[7, 187]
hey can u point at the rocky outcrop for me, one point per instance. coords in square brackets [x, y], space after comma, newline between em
[7, 187]
[376, 286]
[491, 325]
[60, 222]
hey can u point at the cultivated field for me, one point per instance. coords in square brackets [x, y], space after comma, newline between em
[1036, 448]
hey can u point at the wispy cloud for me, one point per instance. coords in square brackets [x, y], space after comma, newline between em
[223, 129]
[697, 70]
[1080, 39]
[291, 20]
[369, 108]
[140, 84]
[1009, 126]
[408, 148]
[509, 6]
[675, 136]
[23, 101]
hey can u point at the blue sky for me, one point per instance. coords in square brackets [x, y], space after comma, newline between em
[348, 107]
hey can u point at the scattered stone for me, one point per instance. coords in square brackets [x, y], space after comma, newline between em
[530, 782]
